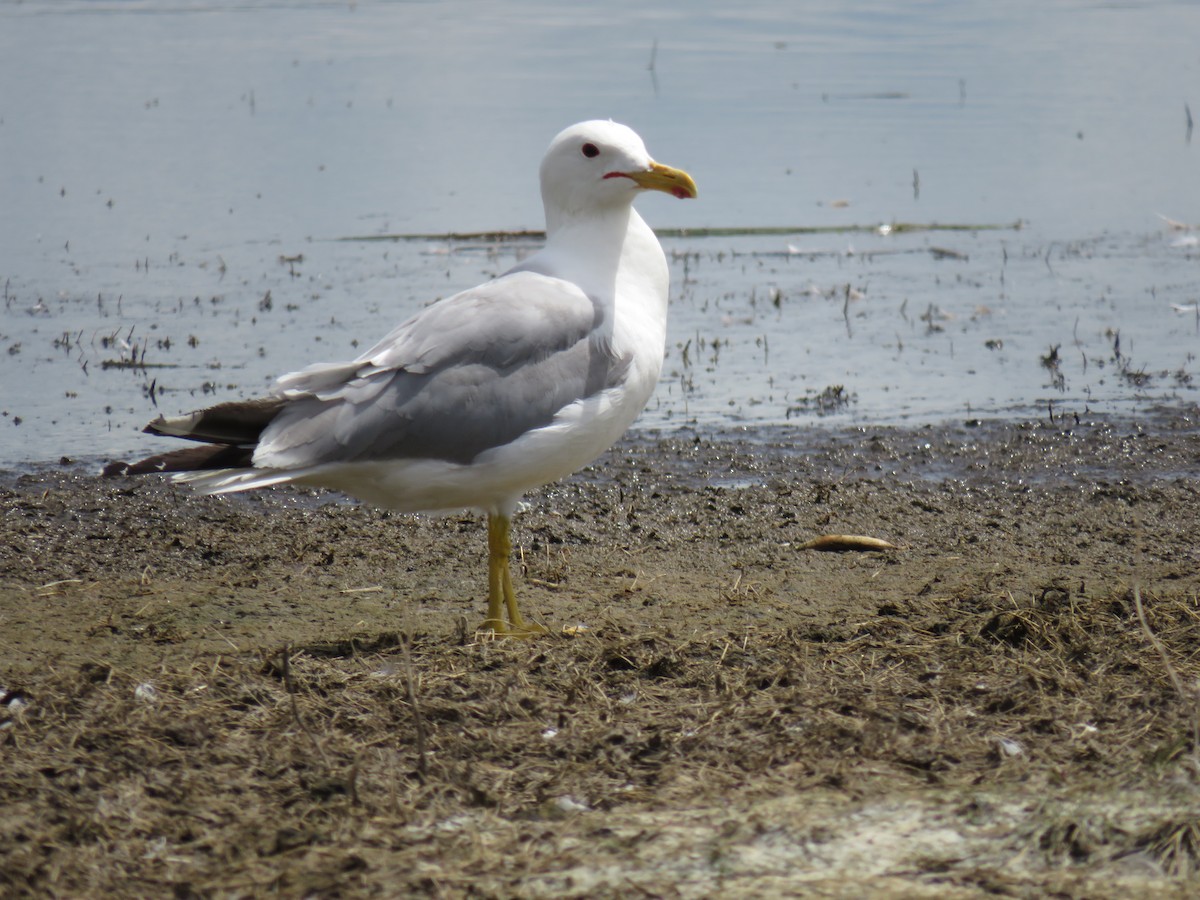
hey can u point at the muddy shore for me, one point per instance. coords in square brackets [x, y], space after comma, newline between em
[284, 692]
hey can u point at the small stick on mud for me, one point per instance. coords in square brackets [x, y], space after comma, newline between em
[410, 692]
[1172, 674]
[285, 665]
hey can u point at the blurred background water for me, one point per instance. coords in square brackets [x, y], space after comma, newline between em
[177, 181]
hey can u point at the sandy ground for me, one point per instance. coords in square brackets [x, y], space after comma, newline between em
[284, 694]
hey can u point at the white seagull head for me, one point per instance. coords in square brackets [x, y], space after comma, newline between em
[600, 164]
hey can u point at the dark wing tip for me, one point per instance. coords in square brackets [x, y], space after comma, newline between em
[191, 459]
[155, 426]
[235, 422]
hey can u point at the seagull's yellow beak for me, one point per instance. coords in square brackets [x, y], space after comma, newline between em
[663, 178]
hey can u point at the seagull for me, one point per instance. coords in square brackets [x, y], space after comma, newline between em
[486, 394]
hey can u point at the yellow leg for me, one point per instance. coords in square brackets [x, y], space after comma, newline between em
[501, 596]
[499, 548]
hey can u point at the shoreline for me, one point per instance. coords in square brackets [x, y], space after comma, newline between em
[1084, 435]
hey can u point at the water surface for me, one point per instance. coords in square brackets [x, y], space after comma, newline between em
[177, 179]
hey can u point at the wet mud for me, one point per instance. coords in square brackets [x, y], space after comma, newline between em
[284, 693]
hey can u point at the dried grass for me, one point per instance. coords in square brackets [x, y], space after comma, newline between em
[293, 771]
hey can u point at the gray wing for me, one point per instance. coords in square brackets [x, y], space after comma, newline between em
[472, 372]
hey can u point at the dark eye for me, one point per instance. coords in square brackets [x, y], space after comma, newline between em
[590, 150]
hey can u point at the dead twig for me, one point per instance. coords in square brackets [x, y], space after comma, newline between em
[1176, 682]
[410, 693]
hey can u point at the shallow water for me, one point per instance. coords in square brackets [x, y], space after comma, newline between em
[166, 165]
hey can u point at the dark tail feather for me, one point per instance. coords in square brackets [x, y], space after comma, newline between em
[212, 456]
[230, 431]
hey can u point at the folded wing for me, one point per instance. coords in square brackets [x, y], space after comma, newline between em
[470, 373]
